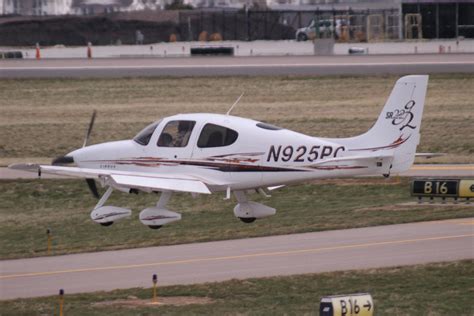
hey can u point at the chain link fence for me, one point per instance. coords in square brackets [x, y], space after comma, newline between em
[415, 22]
[344, 26]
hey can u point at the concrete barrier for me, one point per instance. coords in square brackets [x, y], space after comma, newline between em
[255, 48]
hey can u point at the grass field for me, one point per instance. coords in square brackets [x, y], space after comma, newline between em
[41, 119]
[29, 207]
[433, 289]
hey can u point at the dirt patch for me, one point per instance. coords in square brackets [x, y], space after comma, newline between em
[360, 181]
[173, 300]
[408, 206]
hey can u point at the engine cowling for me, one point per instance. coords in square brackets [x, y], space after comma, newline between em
[252, 210]
[155, 217]
[106, 215]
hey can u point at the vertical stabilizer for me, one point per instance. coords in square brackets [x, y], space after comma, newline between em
[397, 128]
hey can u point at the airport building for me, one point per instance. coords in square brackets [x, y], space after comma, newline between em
[52, 7]
[35, 7]
[353, 20]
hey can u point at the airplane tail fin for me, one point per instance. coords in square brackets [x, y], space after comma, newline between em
[397, 128]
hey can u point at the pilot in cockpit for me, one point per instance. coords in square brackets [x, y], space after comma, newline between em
[184, 131]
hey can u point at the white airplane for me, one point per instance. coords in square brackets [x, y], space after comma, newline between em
[205, 153]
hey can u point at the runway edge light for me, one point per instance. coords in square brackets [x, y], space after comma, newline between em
[154, 300]
[61, 302]
[49, 237]
[360, 304]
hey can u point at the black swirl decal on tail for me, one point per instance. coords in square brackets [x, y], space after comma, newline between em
[403, 116]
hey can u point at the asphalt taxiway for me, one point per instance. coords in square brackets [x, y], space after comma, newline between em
[361, 248]
[246, 66]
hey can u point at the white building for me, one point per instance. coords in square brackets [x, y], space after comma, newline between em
[90, 7]
[35, 7]
[333, 4]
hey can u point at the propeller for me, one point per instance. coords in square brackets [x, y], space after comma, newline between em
[93, 187]
[89, 130]
[63, 160]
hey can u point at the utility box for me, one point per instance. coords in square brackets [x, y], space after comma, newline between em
[11, 55]
[212, 51]
[324, 46]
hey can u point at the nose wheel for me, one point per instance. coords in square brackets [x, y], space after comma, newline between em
[154, 226]
[247, 220]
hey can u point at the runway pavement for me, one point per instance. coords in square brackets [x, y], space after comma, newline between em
[247, 66]
[361, 248]
[425, 170]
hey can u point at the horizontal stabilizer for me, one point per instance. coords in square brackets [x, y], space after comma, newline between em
[377, 163]
[354, 159]
[429, 155]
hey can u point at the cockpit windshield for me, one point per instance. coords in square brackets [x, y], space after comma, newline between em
[143, 138]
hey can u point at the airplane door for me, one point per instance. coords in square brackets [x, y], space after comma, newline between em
[218, 148]
[213, 146]
[176, 139]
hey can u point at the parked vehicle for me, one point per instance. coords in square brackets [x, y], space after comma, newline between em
[326, 28]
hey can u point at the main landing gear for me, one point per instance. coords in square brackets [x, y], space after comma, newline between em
[248, 211]
[107, 215]
[155, 217]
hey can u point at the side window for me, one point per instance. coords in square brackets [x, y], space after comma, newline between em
[216, 136]
[176, 134]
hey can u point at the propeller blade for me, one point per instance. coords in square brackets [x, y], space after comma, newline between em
[93, 187]
[89, 130]
[62, 160]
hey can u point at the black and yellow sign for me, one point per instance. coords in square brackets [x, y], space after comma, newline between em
[456, 188]
[347, 305]
[466, 188]
[435, 188]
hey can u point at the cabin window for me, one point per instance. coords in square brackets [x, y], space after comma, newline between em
[216, 136]
[143, 138]
[268, 126]
[176, 134]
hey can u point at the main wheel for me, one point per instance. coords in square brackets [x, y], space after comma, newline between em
[106, 224]
[247, 220]
[154, 226]
[302, 37]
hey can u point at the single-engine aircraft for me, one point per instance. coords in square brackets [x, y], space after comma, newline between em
[204, 153]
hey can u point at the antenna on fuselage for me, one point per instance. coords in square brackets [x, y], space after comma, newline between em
[235, 103]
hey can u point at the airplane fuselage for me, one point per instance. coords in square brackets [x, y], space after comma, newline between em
[261, 154]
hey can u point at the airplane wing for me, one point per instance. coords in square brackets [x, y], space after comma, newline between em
[153, 182]
[127, 179]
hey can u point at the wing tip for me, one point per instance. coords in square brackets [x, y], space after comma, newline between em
[24, 166]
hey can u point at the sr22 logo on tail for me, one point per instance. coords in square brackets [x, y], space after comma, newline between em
[403, 116]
